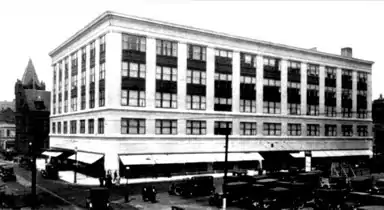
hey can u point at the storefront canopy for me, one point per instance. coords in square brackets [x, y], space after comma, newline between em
[51, 153]
[335, 153]
[86, 157]
[187, 158]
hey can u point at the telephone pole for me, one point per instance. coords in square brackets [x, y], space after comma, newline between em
[226, 131]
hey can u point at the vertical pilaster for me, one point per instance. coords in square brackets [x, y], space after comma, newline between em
[181, 75]
[284, 128]
[236, 126]
[303, 89]
[113, 67]
[284, 86]
[87, 77]
[354, 94]
[236, 82]
[80, 62]
[259, 84]
[69, 84]
[150, 79]
[97, 70]
[210, 79]
[181, 126]
[210, 127]
[150, 125]
[338, 92]
[62, 86]
[322, 91]
[369, 96]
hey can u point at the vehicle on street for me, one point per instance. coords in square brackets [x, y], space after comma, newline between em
[237, 194]
[276, 198]
[361, 184]
[370, 208]
[50, 172]
[98, 199]
[195, 186]
[378, 187]
[330, 198]
[7, 173]
[149, 193]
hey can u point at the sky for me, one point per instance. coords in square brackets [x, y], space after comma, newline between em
[31, 29]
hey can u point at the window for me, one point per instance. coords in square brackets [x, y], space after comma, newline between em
[65, 127]
[347, 130]
[271, 62]
[60, 106]
[248, 128]
[330, 72]
[92, 53]
[54, 108]
[53, 127]
[196, 77]
[83, 58]
[166, 48]
[166, 127]
[74, 104]
[270, 107]
[73, 126]
[74, 61]
[92, 75]
[82, 126]
[313, 110]
[102, 45]
[223, 101]
[132, 126]
[362, 130]
[248, 59]
[196, 52]
[247, 105]
[222, 126]
[330, 111]
[59, 127]
[294, 65]
[196, 102]
[271, 82]
[294, 129]
[83, 102]
[91, 99]
[196, 127]
[313, 130]
[166, 73]
[100, 124]
[91, 126]
[330, 130]
[294, 109]
[362, 113]
[166, 100]
[83, 78]
[102, 71]
[223, 53]
[272, 129]
[248, 80]
[74, 81]
[136, 43]
[101, 97]
[133, 70]
[313, 70]
[133, 98]
[223, 77]
[347, 112]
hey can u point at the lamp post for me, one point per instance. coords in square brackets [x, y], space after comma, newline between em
[33, 184]
[75, 172]
[226, 131]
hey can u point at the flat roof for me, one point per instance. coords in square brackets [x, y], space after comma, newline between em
[111, 14]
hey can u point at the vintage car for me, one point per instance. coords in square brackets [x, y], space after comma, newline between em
[355, 199]
[50, 172]
[378, 187]
[276, 198]
[237, 193]
[98, 199]
[195, 186]
[7, 173]
[149, 193]
[361, 184]
[268, 182]
[330, 198]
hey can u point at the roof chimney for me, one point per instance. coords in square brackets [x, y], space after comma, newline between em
[346, 52]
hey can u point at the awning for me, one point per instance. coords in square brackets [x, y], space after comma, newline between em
[137, 159]
[85, 157]
[335, 153]
[187, 158]
[51, 153]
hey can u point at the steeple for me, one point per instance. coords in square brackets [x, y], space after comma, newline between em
[30, 76]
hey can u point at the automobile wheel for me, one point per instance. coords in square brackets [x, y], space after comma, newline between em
[178, 191]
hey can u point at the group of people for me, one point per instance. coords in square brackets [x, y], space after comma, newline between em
[109, 179]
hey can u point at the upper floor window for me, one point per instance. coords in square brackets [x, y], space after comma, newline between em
[132, 126]
[166, 48]
[346, 72]
[330, 72]
[330, 130]
[92, 50]
[247, 105]
[248, 128]
[74, 60]
[53, 127]
[196, 77]
[362, 130]
[313, 110]
[100, 124]
[91, 126]
[362, 76]
[82, 126]
[272, 129]
[294, 67]
[223, 53]
[330, 111]
[313, 70]
[272, 82]
[223, 127]
[294, 109]
[166, 126]
[196, 52]
[65, 127]
[132, 42]
[102, 44]
[83, 78]
[196, 127]
[196, 102]
[133, 98]
[294, 129]
[73, 126]
[66, 63]
[347, 130]
[102, 71]
[223, 77]
[248, 59]
[74, 81]
[166, 73]
[166, 100]
[271, 62]
[270, 107]
[247, 80]
[83, 57]
[133, 69]
[92, 74]
[313, 130]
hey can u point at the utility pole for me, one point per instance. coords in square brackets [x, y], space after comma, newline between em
[227, 132]
[33, 184]
[76, 163]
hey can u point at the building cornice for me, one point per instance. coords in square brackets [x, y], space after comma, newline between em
[108, 16]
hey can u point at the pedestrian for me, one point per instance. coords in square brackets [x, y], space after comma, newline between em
[101, 180]
[115, 176]
[108, 182]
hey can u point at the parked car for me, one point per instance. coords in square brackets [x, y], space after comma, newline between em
[195, 186]
[277, 198]
[237, 193]
[330, 198]
[149, 193]
[98, 199]
[378, 187]
[361, 184]
[50, 172]
[7, 173]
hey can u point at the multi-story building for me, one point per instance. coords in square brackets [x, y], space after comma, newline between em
[378, 123]
[31, 112]
[7, 104]
[7, 129]
[153, 95]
